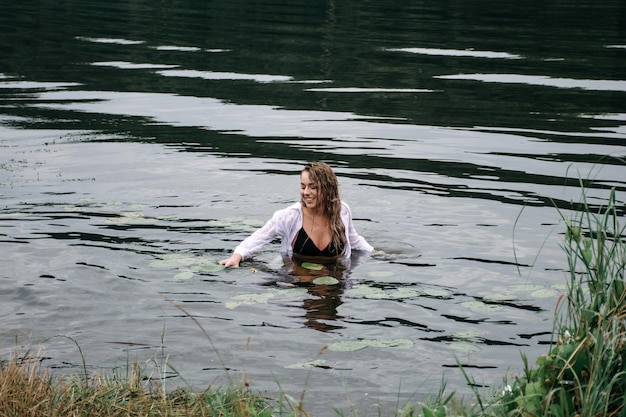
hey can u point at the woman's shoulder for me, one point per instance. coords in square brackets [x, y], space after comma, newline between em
[293, 210]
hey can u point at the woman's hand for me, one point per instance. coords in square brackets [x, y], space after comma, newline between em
[234, 260]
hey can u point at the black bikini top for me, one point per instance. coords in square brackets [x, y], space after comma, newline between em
[304, 246]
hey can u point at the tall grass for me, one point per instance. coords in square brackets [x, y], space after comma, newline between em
[28, 391]
[584, 372]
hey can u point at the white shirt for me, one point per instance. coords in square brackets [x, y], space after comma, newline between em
[286, 223]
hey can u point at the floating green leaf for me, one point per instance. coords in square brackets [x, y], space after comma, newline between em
[131, 218]
[367, 292]
[467, 336]
[263, 298]
[312, 266]
[544, 293]
[187, 262]
[317, 363]
[392, 343]
[401, 293]
[437, 292]
[375, 293]
[353, 345]
[207, 266]
[348, 346]
[464, 347]
[325, 281]
[249, 299]
[183, 276]
[254, 298]
[500, 297]
[175, 260]
[291, 292]
[480, 307]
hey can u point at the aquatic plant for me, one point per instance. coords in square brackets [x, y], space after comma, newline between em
[584, 373]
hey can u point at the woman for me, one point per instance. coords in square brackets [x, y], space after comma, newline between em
[319, 227]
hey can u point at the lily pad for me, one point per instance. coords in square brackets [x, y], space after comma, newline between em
[249, 299]
[392, 343]
[437, 292]
[480, 307]
[186, 261]
[325, 281]
[254, 298]
[312, 266]
[500, 297]
[401, 293]
[367, 292]
[175, 260]
[184, 276]
[544, 293]
[464, 347]
[375, 293]
[317, 363]
[207, 266]
[525, 287]
[291, 292]
[467, 336]
[131, 218]
[348, 346]
[263, 298]
[354, 345]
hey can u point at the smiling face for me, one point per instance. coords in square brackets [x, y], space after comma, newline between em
[309, 192]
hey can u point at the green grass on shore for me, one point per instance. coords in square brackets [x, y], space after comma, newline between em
[28, 391]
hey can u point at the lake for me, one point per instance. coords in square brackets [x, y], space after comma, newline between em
[141, 141]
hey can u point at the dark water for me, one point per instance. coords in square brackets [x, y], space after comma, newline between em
[141, 141]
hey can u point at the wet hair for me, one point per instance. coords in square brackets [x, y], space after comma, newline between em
[325, 179]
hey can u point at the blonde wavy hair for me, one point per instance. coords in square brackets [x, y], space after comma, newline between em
[325, 179]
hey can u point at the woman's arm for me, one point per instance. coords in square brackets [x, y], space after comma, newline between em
[256, 240]
[234, 260]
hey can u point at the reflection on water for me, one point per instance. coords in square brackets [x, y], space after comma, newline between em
[598, 85]
[324, 295]
[133, 157]
[323, 300]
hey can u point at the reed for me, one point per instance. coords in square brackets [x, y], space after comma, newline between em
[584, 372]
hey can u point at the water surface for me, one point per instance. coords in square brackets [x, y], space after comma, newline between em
[139, 143]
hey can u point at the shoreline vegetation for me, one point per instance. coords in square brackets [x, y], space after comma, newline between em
[582, 374]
